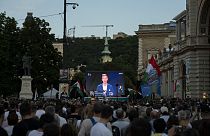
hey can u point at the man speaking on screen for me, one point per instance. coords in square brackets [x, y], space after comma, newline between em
[104, 87]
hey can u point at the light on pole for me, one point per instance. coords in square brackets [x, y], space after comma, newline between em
[74, 5]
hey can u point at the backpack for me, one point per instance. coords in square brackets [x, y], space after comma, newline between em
[115, 131]
[93, 121]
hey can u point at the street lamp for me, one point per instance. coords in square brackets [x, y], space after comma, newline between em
[74, 5]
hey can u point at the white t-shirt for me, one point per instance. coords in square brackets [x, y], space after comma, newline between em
[99, 129]
[9, 130]
[5, 122]
[35, 133]
[39, 113]
[86, 126]
[105, 87]
[62, 121]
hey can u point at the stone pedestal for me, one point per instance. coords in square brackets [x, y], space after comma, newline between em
[26, 92]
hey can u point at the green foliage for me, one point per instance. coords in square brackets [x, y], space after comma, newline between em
[37, 43]
[9, 55]
[88, 52]
[35, 40]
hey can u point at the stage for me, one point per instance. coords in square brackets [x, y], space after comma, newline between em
[121, 99]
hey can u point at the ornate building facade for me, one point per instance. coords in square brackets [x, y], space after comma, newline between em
[152, 39]
[186, 68]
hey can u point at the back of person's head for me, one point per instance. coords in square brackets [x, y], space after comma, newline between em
[120, 114]
[124, 108]
[164, 110]
[50, 110]
[133, 114]
[172, 121]
[6, 105]
[159, 125]
[13, 105]
[190, 132]
[25, 109]
[154, 114]
[73, 108]
[106, 112]
[58, 108]
[68, 130]
[97, 107]
[148, 111]
[139, 127]
[12, 118]
[51, 130]
[46, 119]
[182, 115]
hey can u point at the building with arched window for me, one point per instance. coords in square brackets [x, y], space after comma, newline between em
[186, 69]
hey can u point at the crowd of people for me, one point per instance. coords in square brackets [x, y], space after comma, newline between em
[159, 117]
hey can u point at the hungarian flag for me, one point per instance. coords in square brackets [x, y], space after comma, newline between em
[153, 65]
[153, 72]
[77, 87]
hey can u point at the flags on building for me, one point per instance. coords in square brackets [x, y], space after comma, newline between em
[153, 76]
[145, 90]
[154, 65]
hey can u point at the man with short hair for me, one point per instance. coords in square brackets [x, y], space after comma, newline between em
[101, 128]
[28, 123]
[139, 127]
[159, 127]
[105, 87]
[87, 124]
[60, 120]
[120, 123]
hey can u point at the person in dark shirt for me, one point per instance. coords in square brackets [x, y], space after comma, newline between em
[28, 122]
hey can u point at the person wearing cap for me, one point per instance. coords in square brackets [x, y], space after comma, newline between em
[105, 88]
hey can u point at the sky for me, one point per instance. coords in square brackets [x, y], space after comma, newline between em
[125, 15]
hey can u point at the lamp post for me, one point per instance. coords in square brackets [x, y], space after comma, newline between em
[74, 5]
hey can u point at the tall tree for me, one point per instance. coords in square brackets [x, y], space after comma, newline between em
[9, 55]
[37, 43]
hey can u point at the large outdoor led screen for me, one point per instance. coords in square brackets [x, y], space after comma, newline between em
[115, 81]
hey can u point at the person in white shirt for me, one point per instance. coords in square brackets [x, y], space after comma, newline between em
[100, 128]
[60, 120]
[40, 111]
[12, 106]
[88, 123]
[120, 123]
[12, 121]
[44, 120]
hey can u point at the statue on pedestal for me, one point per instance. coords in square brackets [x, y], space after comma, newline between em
[26, 65]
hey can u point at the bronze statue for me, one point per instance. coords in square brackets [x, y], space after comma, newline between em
[26, 65]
